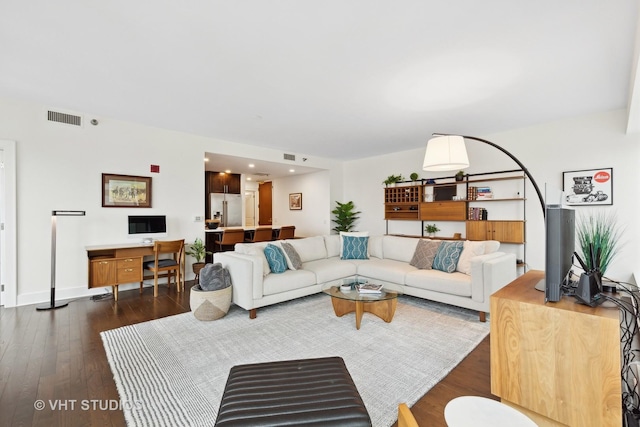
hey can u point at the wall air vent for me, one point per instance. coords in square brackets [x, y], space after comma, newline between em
[68, 119]
[290, 157]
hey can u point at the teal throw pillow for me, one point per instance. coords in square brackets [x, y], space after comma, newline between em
[354, 247]
[447, 256]
[275, 258]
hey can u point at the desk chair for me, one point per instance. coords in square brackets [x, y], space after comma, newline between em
[405, 417]
[169, 267]
[230, 238]
[261, 234]
[287, 232]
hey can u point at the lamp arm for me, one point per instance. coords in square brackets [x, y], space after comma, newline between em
[524, 169]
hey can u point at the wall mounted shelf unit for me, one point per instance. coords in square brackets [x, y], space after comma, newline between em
[499, 215]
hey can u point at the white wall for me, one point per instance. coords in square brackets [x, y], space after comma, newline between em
[60, 167]
[588, 142]
[314, 217]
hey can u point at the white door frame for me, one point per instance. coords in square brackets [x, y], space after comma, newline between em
[8, 224]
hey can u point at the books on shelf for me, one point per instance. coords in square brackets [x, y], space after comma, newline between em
[479, 193]
[477, 214]
[369, 288]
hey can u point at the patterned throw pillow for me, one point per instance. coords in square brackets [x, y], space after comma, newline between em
[292, 257]
[425, 253]
[447, 257]
[354, 247]
[275, 258]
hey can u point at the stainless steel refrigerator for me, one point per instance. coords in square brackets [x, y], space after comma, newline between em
[227, 207]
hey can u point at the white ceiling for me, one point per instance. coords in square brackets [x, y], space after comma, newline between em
[254, 169]
[336, 78]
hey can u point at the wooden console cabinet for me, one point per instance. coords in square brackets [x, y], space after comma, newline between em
[559, 363]
[502, 231]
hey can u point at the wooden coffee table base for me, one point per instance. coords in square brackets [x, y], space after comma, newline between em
[383, 309]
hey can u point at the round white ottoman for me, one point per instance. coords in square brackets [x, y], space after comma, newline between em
[478, 411]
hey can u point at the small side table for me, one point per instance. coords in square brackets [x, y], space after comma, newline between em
[478, 411]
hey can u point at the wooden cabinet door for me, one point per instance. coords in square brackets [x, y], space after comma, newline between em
[233, 183]
[443, 211]
[508, 231]
[479, 230]
[103, 273]
[217, 182]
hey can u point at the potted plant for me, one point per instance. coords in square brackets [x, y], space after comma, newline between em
[392, 179]
[344, 216]
[459, 176]
[431, 229]
[413, 176]
[602, 232]
[198, 251]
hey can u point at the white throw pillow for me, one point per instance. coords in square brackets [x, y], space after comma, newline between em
[353, 234]
[469, 250]
[491, 246]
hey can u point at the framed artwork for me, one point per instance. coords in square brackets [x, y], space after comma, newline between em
[126, 191]
[295, 201]
[588, 187]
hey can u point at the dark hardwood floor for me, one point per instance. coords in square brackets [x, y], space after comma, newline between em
[56, 358]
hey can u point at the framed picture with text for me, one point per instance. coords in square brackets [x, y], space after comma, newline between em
[588, 187]
[126, 191]
[295, 201]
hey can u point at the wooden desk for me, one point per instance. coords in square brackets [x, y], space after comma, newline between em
[113, 265]
[559, 363]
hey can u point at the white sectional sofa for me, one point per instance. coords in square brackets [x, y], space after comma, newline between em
[389, 257]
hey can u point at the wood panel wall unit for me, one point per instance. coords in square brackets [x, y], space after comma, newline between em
[559, 363]
[502, 231]
[403, 203]
[443, 211]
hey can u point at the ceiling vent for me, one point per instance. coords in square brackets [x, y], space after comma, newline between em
[260, 174]
[67, 119]
[290, 157]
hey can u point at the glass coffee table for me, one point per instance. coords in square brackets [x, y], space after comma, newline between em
[346, 298]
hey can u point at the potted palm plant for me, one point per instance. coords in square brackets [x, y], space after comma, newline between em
[431, 229]
[199, 252]
[345, 217]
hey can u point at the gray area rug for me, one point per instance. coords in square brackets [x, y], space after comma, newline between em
[172, 371]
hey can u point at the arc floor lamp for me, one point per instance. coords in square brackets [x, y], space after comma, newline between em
[446, 152]
[54, 215]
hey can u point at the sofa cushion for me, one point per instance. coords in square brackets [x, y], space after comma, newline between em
[275, 258]
[355, 247]
[257, 250]
[425, 253]
[387, 270]
[330, 269]
[293, 258]
[447, 257]
[288, 281]
[399, 248]
[439, 281]
[332, 243]
[310, 248]
[375, 246]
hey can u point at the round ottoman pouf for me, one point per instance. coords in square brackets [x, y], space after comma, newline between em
[210, 305]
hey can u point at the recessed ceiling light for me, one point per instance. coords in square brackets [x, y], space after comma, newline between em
[292, 170]
[248, 178]
[251, 165]
[227, 171]
[206, 159]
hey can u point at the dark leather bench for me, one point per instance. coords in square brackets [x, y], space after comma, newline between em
[294, 393]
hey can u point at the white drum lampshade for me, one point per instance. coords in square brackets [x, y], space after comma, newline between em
[445, 153]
